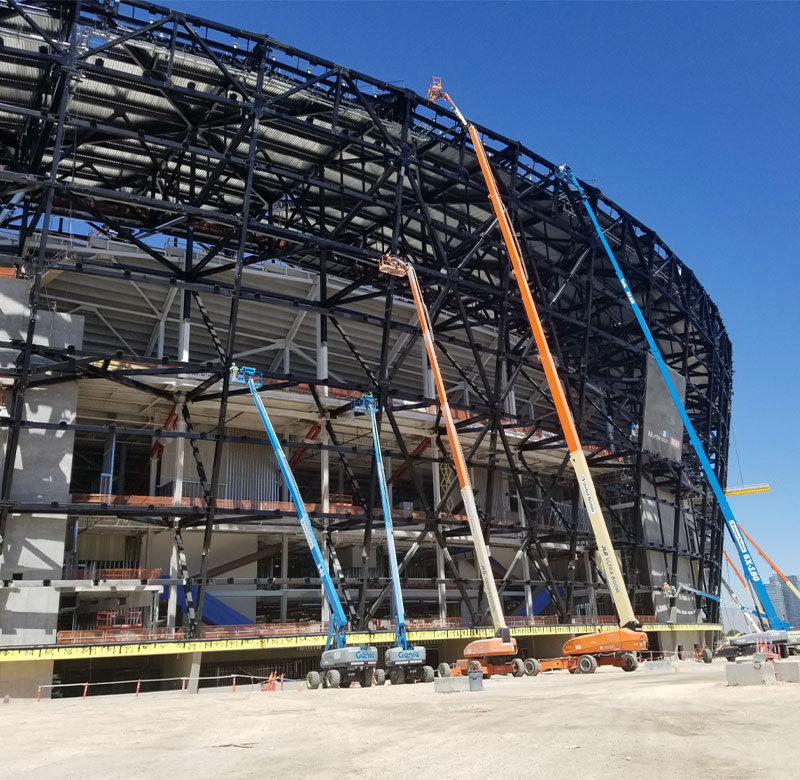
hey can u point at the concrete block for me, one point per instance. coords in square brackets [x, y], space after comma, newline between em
[662, 666]
[750, 673]
[451, 684]
[787, 671]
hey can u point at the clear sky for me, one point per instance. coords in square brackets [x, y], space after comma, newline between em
[686, 114]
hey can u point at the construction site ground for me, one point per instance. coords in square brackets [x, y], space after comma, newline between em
[646, 724]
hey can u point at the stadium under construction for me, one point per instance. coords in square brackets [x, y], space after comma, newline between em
[177, 198]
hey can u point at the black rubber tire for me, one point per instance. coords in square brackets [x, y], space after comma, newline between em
[397, 675]
[531, 666]
[427, 674]
[707, 655]
[380, 676]
[366, 678]
[334, 677]
[587, 664]
[783, 651]
[517, 667]
[730, 659]
[474, 666]
[443, 669]
[573, 670]
[345, 683]
[630, 662]
[313, 680]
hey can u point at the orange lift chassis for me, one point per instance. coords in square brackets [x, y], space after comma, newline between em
[498, 654]
[612, 647]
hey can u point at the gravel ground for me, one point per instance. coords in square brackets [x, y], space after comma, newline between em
[684, 724]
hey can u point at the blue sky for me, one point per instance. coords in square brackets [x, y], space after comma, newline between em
[686, 114]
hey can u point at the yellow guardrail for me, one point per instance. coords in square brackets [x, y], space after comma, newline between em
[126, 650]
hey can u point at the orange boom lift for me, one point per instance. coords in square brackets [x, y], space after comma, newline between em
[609, 647]
[498, 654]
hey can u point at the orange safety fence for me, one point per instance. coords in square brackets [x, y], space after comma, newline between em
[111, 574]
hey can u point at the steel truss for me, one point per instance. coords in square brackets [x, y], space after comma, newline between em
[138, 122]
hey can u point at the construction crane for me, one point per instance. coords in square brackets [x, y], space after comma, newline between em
[404, 662]
[610, 647]
[340, 665]
[496, 655]
[566, 175]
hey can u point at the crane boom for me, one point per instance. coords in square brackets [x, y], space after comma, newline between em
[586, 488]
[337, 635]
[748, 564]
[390, 264]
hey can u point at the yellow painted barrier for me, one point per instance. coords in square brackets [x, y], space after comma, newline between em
[80, 652]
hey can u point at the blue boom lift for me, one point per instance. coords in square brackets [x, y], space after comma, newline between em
[404, 662]
[340, 665]
[566, 175]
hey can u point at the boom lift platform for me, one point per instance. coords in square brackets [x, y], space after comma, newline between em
[340, 665]
[616, 647]
[404, 662]
[498, 654]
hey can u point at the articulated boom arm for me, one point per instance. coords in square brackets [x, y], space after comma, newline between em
[608, 558]
[390, 264]
[367, 403]
[337, 635]
[748, 564]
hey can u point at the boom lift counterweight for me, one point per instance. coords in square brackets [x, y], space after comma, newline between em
[404, 662]
[341, 665]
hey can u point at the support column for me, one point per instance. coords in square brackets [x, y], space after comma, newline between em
[177, 500]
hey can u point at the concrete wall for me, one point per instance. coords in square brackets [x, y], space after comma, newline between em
[33, 547]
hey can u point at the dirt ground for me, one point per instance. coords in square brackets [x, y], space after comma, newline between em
[684, 724]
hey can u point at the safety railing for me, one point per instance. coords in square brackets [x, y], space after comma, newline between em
[311, 628]
[90, 573]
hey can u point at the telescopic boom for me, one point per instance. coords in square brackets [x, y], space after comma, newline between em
[748, 564]
[390, 264]
[608, 558]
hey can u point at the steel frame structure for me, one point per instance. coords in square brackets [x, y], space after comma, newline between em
[137, 122]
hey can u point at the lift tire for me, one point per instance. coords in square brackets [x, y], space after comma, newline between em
[444, 670]
[573, 670]
[427, 674]
[531, 667]
[380, 676]
[707, 656]
[730, 659]
[783, 651]
[334, 678]
[587, 664]
[629, 662]
[313, 679]
[366, 677]
[517, 667]
[397, 675]
[474, 666]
